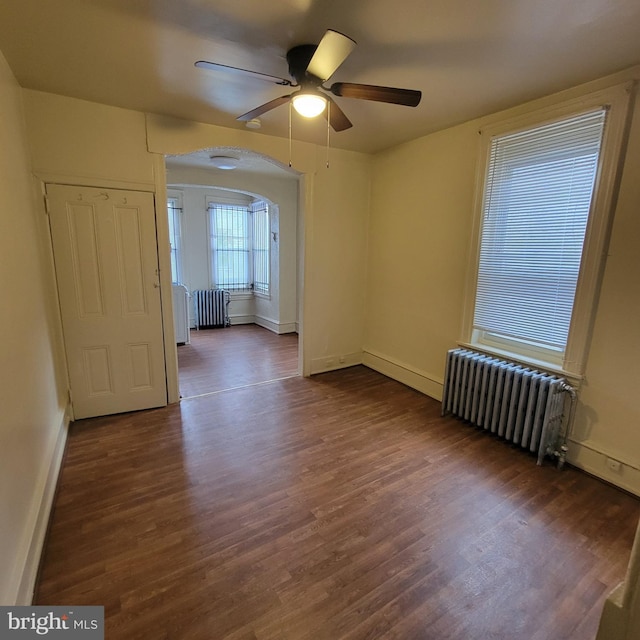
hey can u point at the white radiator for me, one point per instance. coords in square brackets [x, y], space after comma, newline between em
[181, 313]
[211, 307]
[514, 402]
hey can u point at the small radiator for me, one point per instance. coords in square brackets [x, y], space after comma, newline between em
[512, 401]
[211, 307]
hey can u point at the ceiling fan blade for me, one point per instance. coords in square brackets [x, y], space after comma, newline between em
[406, 97]
[215, 66]
[331, 52]
[258, 111]
[336, 117]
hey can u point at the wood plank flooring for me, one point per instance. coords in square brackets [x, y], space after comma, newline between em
[219, 359]
[340, 507]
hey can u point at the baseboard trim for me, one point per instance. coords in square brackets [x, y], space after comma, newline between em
[276, 327]
[422, 381]
[241, 319]
[47, 492]
[265, 323]
[592, 459]
[333, 363]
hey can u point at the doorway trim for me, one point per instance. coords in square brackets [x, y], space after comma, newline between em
[164, 262]
[305, 199]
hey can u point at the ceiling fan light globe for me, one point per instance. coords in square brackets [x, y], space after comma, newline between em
[309, 105]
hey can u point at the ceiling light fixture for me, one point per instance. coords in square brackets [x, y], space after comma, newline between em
[309, 103]
[224, 162]
[254, 123]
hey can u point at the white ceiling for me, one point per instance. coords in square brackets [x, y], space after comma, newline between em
[248, 162]
[469, 58]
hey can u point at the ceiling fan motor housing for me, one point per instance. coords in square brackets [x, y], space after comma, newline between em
[298, 59]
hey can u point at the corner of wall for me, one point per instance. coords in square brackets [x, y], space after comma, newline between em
[335, 362]
[590, 457]
[422, 381]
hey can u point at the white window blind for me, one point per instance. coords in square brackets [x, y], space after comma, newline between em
[537, 200]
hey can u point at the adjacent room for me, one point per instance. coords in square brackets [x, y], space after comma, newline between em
[424, 422]
[233, 219]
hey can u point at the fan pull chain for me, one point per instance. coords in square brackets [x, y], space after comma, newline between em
[290, 107]
[328, 129]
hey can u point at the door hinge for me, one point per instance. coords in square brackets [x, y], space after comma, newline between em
[47, 206]
[70, 394]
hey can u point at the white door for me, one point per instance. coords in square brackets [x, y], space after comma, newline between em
[106, 257]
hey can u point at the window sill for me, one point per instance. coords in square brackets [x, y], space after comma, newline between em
[574, 378]
[240, 295]
[247, 295]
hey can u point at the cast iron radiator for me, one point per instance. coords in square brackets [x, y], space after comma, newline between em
[519, 404]
[211, 307]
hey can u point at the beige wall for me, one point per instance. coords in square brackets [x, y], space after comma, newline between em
[608, 416]
[419, 236]
[421, 219]
[32, 420]
[337, 242]
[87, 143]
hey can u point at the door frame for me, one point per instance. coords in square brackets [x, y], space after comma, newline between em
[164, 264]
[304, 234]
[158, 191]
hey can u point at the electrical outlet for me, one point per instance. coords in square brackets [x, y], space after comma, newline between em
[614, 465]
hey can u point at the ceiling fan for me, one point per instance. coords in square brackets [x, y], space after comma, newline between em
[310, 66]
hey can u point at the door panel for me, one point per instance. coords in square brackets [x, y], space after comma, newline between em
[140, 366]
[104, 243]
[130, 254]
[97, 371]
[82, 230]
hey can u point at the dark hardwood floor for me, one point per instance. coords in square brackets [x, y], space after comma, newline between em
[220, 359]
[340, 507]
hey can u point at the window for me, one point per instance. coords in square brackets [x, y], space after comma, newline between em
[546, 199]
[537, 199]
[175, 239]
[240, 246]
[230, 247]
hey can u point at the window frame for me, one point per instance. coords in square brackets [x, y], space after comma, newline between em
[245, 251]
[211, 203]
[178, 211]
[616, 100]
[257, 207]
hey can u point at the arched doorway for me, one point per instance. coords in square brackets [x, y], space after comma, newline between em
[261, 343]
